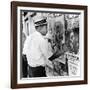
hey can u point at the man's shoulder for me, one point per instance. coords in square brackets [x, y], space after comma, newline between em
[35, 34]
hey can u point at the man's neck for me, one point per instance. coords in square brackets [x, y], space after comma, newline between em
[40, 33]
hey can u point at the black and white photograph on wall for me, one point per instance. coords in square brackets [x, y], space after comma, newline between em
[50, 45]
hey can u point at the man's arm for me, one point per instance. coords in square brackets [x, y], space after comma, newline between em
[45, 51]
[44, 48]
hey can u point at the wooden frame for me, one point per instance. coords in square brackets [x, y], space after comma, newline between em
[14, 6]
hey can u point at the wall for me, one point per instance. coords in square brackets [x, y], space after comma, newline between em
[5, 44]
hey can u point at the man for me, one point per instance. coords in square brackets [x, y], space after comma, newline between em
[37, 50]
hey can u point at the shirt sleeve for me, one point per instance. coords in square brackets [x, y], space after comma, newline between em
[45, 49]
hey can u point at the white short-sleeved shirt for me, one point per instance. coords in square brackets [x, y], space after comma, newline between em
[36, 50]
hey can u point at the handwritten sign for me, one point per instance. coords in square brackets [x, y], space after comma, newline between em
[73, 64]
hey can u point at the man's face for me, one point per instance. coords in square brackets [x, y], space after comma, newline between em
[43, 30]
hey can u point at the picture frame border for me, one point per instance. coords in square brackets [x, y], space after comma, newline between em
[13, 43]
